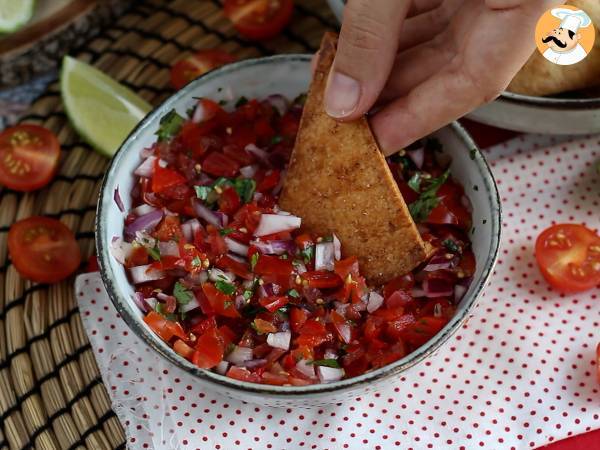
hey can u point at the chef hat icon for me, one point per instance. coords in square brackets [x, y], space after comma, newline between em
[572, 20]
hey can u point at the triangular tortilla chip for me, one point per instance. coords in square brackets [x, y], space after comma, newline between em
[541, 77]
[338, 181]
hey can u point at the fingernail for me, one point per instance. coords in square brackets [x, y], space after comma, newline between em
[342, 95]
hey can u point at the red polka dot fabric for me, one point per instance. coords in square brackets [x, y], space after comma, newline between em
[518, 375]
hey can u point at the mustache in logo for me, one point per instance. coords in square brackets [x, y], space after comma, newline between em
[556, 41]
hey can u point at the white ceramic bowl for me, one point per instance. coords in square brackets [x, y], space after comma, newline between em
[529, 114]
[288, 75]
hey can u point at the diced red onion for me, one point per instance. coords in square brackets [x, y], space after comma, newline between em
[276, 223]
[345, 332]
[254, 363]
[337, 248]
[459, 292]
[118, 200]
[329, 374]
[142, 274]
[206, 214]
[239, 302]
[190, 306]
[280, 340]
[279, 102]
[120, 249]
[437, 287]
[443, 263]
[195, 279]
[330, 354]
[144, 239]
[146, 168]
[300, 267]
[249, 171]
[341, 308]
[147, 152]
[305, 369]
[222, 217]
[138, 299]
[262, 155]
[216, 274]
[237, 258]
[275, 247]
[236, 247]
[324, 256]
[222, 367]
[143, 209]
[279, 186]
[147, 223]
[417, 156]
[200, 113]
[239, 355]
[169, 248]
[190, 228]
[375, 301]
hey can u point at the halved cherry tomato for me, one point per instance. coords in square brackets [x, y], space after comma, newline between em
[569, 257]
[166, 329]
[221, 303]
[43, 249]
[29, 157]
[259, 19]
[186, 70]
[209, 349]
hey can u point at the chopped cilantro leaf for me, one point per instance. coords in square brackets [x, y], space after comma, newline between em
[245, 188]
[249, 311]
[451, 246]
[326, 363]
[225, 287]
[154, 252]
[276, 139]
[415, 182]
[248, 293]
[473, 153]
[221, 181]
[241, 101]
[170, 125]
[182, 294]
[427, 201]
[229, 348]
[253, 261]
[308, 253]
[202, 192]
[226, 231]
[293, 293]
[196, 262]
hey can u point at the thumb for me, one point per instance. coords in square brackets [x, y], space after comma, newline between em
[365, 55]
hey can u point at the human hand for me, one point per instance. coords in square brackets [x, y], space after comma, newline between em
[425, 63]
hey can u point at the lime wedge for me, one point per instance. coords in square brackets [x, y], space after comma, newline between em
[100, 109]
[14, 14]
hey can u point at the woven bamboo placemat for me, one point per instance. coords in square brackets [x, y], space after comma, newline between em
[51, 393]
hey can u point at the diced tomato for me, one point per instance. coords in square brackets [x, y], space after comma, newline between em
[273, 265]
[227, 334]
[322, 279]
[387, 356]
[238, 268]
[345, 267]
[399, 298]
[169, 229]
[274, 379]
[289, 124]
[204, 325]
[219, 165]
[312, 334]
[239, 154]
[242, 374]
[395, 328]
[217, 243]
[166, 329]
[220, 303]
[192, 257]
[181, 348]
[209, 349]
[273, 303]
[164, 178]
[467, 264]
[303, 241]
[138, 257]
[298, 317]
[422, 330]
[450, 209]
[229, 200]
[269, 181]
[403, 282]
[342, 327]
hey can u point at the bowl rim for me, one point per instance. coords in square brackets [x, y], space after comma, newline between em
[221, 381]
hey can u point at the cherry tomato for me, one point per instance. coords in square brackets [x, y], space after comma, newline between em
[569, 257]
[166, 329]
[43, 249]
[259, 19]
[190, 68]
[29, 157]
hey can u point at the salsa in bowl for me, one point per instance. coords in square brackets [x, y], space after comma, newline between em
[205, 267]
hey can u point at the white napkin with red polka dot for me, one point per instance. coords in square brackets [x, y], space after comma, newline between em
[519, 375]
